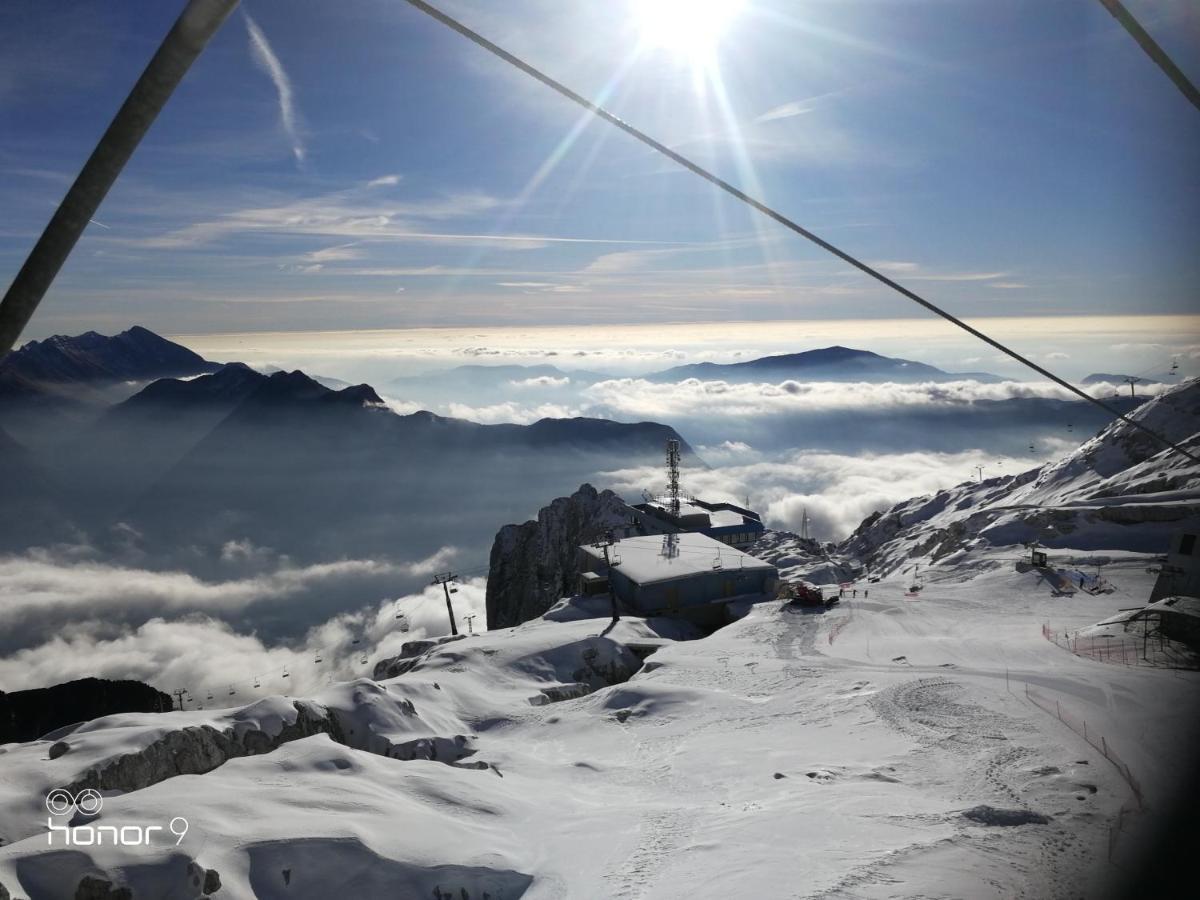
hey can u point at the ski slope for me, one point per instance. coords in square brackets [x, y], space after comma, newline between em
[858, 753]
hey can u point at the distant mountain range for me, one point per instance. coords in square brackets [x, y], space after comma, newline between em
[827, 364]
[278, 459]
[42, 367]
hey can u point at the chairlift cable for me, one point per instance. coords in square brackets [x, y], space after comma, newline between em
[602, 113]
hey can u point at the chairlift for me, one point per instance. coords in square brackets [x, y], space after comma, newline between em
[404, 626]
[615, 559]
[317, 659]
[363, 661]
[231, 691]
[209, 697]
[285, 672]
[454, 590]
[256, 681]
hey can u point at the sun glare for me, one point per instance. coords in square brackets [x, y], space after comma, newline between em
[690, 28]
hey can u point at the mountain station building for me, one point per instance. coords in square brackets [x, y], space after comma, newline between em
[724, 522]
[689, 575]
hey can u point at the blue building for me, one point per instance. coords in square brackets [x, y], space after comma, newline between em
[686, 574]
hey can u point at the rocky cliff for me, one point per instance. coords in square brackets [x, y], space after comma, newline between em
[534, 564]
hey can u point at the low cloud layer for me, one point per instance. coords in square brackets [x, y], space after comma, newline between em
[206, 655]
[837, 490]
[52, 592]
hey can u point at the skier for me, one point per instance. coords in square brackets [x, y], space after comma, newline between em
[866, 593]
[855, 593]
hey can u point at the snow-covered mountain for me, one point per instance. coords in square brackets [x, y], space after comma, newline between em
[895, 746]
[782, 756]
[1118, 491]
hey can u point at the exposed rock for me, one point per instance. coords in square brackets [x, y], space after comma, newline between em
[92, 888]
[58, 749]
[534, 564]
[201, 748]
[989, 815]
[27, 715]
[410, 654]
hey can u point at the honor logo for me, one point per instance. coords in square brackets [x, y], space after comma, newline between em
[89, 803]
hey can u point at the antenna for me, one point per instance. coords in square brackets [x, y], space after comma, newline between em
[673, 476]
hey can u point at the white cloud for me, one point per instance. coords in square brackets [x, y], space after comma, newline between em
[637, 397]
[384, 181]
[541, 381]
[265, 57]
[837, 490]
[207, 656]
[509, 411]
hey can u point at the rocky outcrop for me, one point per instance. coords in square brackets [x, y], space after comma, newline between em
[201, 748]
[534, 564]
[410, 654]
[27, 715]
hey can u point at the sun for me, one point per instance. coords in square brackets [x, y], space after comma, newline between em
[689, 28]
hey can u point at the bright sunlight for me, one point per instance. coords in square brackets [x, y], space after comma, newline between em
[690, 28]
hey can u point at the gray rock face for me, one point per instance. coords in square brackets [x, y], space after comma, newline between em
[534, 564]
[199, 749]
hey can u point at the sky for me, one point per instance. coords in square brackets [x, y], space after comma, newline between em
[358, 166]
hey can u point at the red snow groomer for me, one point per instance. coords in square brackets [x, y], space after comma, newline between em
[807, 596]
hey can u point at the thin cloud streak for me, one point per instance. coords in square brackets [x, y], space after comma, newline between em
[266, 59]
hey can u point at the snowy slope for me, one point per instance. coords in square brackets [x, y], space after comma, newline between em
[1117, 491]
[868, 752]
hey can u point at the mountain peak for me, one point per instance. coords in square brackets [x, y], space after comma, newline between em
[137, 354]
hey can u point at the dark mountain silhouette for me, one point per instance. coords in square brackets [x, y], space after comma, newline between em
[321, 474]
[51, 389]
[27, 715]
[134, 355]
[827, 364]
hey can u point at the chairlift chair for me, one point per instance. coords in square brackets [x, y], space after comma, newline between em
[285, 672]
[256, 681]
[317, 659]
[231, 691]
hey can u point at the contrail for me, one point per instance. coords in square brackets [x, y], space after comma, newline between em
[269, 63]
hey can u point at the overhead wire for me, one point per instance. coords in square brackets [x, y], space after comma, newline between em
[639, 135]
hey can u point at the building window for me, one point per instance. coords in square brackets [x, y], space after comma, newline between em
[1187, 544]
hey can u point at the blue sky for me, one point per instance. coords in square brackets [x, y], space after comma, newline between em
[354, 165]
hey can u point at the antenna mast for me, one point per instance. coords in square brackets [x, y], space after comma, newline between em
[673, 476]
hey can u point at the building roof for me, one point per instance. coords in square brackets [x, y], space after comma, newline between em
[643, 559]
